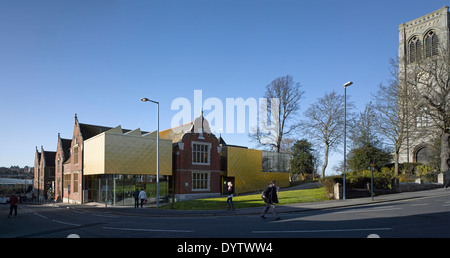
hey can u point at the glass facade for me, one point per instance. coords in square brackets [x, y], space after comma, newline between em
[275, 161]
[117, 190]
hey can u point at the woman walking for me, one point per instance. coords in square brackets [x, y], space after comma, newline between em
[143, 197]
[230, 196]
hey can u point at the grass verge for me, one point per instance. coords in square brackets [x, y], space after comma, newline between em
[254, 200]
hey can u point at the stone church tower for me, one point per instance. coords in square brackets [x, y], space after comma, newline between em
[420, 39]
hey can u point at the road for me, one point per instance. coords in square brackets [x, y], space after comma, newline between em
[426, 217]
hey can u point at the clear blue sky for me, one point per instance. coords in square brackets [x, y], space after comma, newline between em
[98, 58]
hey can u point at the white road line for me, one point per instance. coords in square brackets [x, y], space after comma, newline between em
[66, 223]
[104, 216]
[385, 207]
[80, 212]
[319, 230]
[42, 216]
[57, 221]
[370, 210]
[151, 230]
[420, 204]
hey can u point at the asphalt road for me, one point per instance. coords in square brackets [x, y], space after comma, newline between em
[426, 217]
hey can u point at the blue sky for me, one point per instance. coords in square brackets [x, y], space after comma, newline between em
[98, 58]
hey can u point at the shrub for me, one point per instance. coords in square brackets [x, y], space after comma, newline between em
[426, 173]
[328, 183]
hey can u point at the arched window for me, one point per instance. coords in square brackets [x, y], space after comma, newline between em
[423, 155]
[435, 45]
[415, 50]
[412, 52]
[431, 44]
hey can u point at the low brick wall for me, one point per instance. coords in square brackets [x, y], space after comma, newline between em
[397, 188]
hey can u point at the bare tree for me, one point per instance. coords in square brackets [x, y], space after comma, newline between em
[362, 130]
[324, 123]
[391, 115]
[428, 81]
[286, 95]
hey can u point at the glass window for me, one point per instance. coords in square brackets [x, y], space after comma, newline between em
[75, 155]
[66, 180]
[200, 181]
[75, 183]
[200, 153]
[275, 161]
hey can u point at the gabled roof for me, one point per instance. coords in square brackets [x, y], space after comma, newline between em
[49, 158]
[199, 125]
[89, 131]
[38, 155]
[176, 133]
[66, 143]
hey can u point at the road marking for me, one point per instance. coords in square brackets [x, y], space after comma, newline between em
[385, 207]
[80, 212]
[420, 204]
[66, 223]
[319, 230]
[104, 216]
[151, 230]
[42, 216]
[370, 210]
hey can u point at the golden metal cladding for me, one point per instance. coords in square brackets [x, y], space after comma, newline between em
[245, 165]
[113, 152]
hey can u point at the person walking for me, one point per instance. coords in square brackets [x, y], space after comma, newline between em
[136, 198]
[270, 197]
[143, 197]
[230, 196]
[13, 201]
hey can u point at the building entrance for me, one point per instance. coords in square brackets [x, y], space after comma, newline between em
[118, 190]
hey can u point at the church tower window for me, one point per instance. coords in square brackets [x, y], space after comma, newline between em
[431, 44]
[415, 50]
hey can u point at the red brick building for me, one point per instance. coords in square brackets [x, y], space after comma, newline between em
[62, 155]
[44, 173]
[197, 164]
[72, 168]
[196, 159]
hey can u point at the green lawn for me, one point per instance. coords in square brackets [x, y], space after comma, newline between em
[255, 200]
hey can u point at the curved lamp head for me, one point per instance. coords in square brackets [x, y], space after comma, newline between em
[348, 84]
[146, 100]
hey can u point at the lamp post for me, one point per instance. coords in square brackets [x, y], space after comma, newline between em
[157, 148]
[345, 135]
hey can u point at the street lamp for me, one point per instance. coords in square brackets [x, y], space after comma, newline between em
[157, 148]
[345, 134]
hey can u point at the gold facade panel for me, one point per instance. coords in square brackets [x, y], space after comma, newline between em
[127, 154]
[245, 165]
[94, 155]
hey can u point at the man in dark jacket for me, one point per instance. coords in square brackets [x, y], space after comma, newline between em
[13, 200]
[136, 198]
[270, 197]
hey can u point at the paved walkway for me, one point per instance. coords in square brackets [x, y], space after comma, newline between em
[289, 208]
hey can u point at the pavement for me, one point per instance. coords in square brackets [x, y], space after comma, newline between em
[289, 208]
